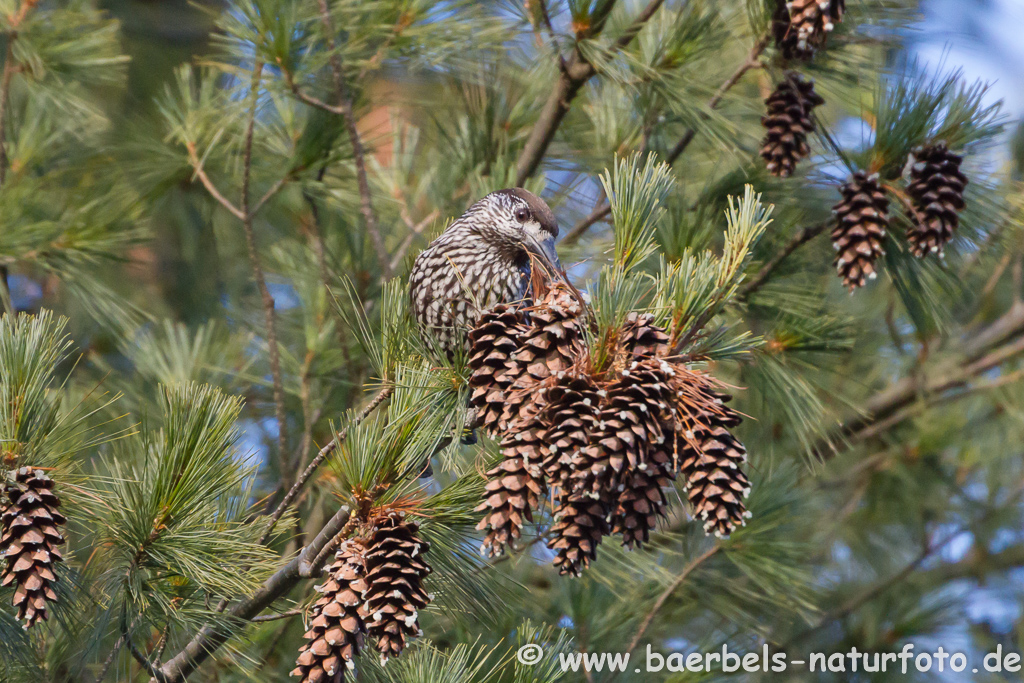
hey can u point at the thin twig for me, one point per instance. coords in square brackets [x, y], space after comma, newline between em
[110, 660]
[200, 172]
[571, 79]
[345, 103]
[602, 212]
[546, 17]
[381, 396]
[667, 593]
[276, 617]
[269, 313]
[802, 237]
[415, 230]
[269, 194]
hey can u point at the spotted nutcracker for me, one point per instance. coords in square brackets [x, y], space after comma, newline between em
[483, 259]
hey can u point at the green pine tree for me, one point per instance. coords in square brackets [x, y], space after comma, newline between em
[209, 369]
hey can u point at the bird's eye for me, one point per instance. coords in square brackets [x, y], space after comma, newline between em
[522, 215]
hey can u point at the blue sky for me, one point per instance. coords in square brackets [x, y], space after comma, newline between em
[984, 37]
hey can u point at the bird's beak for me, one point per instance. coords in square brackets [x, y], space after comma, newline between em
[545, 251]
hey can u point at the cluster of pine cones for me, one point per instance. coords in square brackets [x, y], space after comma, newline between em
[935, 189]
[603, 443]
[800, 28]
[374, 588]
[29, 536]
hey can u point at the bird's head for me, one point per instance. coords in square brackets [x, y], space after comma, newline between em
[522, 218]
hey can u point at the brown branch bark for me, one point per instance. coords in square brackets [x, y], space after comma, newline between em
[571, 79]
[602, 212]
[864, 597]
[209, 638]
[1001, 341]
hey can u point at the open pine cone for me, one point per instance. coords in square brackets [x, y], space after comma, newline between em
[29, 536]
[788, 122]
[493, 342]
[711, 458]
[395, 569]
[552, 345]
[937, 194]
[862, 217]
[336, 632]
[801, 27]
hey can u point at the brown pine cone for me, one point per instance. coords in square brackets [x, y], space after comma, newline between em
[29, 536]
[788, 123]
[395, 569]
[937, 194]
[496, 337]
[641, 338]
[580, 524]
[711, 460]
[716, 486]
[514, 488]
[862, 218]
[552, 345]
[642, 500]
[570, 416]
[801, 27]
[629, 427]
[337, 628]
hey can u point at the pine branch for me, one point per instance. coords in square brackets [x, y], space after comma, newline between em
[570, 81]
[875, 590]
[666, 594]
[269, 314]
[600, 213]
[802, 237]
[1004, 340]
[139, 656]
[210, 638]
[381, 396]
[345, 109]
